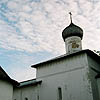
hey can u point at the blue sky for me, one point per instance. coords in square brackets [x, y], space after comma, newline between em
[31, 31]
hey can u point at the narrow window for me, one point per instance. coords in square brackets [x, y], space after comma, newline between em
[37, 97]
[59, 93]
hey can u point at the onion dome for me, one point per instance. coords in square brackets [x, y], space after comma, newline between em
[72, 30]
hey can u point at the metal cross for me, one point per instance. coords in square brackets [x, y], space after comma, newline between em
[70, 16]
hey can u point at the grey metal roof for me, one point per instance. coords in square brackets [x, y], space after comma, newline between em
[29, 82]
[89, 52]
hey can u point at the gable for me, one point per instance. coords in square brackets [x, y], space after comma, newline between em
[4, 76]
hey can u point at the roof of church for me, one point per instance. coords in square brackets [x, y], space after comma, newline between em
[4, 76]
[89, 52]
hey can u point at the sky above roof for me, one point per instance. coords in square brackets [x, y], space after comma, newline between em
[31, 31]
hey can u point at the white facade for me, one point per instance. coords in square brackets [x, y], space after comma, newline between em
[26, 92]
[69, 77]
[6, 90]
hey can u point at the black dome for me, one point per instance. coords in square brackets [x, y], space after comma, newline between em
[72, 30]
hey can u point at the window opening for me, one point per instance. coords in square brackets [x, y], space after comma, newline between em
[26, 98]
[59, 93]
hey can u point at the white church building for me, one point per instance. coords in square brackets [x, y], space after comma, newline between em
[72, 76]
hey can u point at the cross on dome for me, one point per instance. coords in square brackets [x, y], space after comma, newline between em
[70, 16]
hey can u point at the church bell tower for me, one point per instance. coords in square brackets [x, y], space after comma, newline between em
[72, 36]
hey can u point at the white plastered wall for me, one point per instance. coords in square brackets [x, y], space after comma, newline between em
[6, 90]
